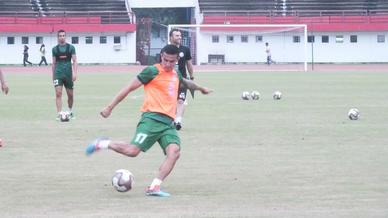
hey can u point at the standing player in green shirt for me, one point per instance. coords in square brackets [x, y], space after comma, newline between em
[64, 72]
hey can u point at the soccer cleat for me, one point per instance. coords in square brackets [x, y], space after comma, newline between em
[94, 146]
[156, 192]
[178, 126]
[71, 115]
[58, 118]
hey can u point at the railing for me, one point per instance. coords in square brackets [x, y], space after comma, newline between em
[299, 13]
[67, 17]
[294, 19]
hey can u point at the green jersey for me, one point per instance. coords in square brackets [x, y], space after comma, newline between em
[63, 69]
[62, 55]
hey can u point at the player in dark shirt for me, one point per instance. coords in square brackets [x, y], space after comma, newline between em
[184, 65]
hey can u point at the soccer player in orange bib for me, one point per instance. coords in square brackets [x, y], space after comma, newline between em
[161, 83]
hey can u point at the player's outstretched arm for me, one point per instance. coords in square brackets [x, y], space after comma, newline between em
[53, 65]
[133, 85]
[75, 67]
[193, 86]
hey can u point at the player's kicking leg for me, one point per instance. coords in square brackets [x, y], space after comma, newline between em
[96, 145]
[104, 143]
[132, 151]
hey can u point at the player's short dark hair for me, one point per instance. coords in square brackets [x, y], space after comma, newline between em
[61, 31]
[170, 49]
[173, 30]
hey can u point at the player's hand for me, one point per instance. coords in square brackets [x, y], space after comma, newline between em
[206, 91]
[5, 88]
[106, 112]
[74, 78]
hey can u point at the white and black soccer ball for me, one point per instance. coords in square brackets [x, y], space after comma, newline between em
[255, 95]
[354, 114]
[245, 95]
[122, 180]
[277, 95]
[64, 116]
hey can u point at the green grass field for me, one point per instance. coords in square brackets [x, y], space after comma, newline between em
[297, 157]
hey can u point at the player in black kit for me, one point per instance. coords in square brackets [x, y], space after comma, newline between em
[184, 65]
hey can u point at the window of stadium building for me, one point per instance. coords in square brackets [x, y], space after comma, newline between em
[10, 40]
[325, 39]
[381, 38]
[117, 40]
[244, 38]
[259, 38]
[89, 40]
[339, 39]
[215, 39]
[311, 39]
[229, 39]
[296, 39]
[39, 40]
[102, 39]
[25, 40]
[353, 38]
[74, 40]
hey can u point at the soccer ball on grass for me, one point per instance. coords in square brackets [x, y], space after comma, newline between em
[354, 114]
[245, 95]
[277, 95]
[255, 95]
[122, 180]
[64, 116]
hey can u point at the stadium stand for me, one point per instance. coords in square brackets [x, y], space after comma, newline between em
[332, 14]
[110, 11]
[295, 7]
[22, 6]
[243, 5]
[72, 15]
[40, 6]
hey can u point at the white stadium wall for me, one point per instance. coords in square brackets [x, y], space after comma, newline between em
[251, 51]
[95, 53]
[366, 50]
[123, 52]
